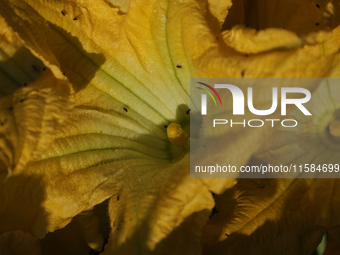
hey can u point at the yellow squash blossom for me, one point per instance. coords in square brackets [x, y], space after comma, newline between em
[100, 121]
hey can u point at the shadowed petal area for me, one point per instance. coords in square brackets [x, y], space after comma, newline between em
[146, 211]
[68, 241]
[273, 216]
[18, 242]
[18, 66]
[29, 119]
[332, 247]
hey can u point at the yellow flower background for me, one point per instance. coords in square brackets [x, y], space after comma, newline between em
[89, 88]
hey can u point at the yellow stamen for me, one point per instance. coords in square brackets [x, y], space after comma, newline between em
[176, 135]
[334, 128]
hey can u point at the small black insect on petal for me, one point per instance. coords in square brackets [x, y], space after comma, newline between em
[166, 126]
[35, 69]
[25, 84]
[10, 109]
[246, 55]
[242, 74]
[179, 66]
[1, 123]
[188, 111]
[63, 13]
[75, 18]
[63, 73]
[226, 234]
[317, 5]
[117, 198]
[44, 69]
[22, 100]
[125, 109]
[316, 24]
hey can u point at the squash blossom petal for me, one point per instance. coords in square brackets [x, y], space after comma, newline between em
[95, 125]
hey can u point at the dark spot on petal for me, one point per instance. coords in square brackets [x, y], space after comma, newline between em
[101, 131]
[316, 24]
[22, 100]
[166, 126]
[246, 55]
[179, 66]
[75, 18]
[35, 68]
[217, 38]
[63, 13]
[1, 123]
[117, 198]
[25, 84]
[125, 109]
[261, 185]
[317, 5]
[63, 73]
[44, 69]
[188, 111]
[242, 74]
[10, 109]
[226, 234]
